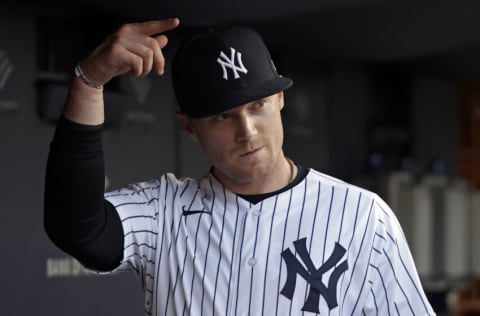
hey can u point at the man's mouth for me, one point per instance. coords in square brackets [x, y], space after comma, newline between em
[251, 152]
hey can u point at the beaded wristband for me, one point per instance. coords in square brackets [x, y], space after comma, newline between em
[79, 73]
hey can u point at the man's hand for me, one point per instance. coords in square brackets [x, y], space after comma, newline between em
[134, 48]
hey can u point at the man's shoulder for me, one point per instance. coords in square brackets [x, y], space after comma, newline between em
[337, 183]
[327, 179]
[167, 181]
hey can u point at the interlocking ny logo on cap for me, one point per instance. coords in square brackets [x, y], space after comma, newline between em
[226, 62]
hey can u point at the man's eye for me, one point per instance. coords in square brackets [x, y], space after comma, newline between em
[260, 103]
[223, 116]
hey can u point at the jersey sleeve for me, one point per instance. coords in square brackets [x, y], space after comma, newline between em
[138, 207]
[396, 286]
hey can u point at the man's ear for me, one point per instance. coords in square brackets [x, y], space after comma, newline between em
[186, 124]
[281, 100]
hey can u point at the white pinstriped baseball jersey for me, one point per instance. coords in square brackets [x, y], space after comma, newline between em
[322, 247]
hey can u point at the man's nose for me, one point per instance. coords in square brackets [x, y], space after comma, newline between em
[246, 127]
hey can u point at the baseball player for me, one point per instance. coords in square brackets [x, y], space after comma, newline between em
[259, 234]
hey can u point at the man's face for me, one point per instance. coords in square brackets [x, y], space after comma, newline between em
[243, 144]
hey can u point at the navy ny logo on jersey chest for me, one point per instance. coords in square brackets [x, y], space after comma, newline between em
[313, 276]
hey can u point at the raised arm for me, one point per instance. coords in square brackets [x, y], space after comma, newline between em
[77, 218]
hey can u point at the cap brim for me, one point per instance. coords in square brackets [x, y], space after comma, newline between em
[245, 95]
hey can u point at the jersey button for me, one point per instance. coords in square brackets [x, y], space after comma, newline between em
[251, 261]
[256, 213]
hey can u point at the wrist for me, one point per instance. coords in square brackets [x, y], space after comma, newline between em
[84, 104]
[85, 79]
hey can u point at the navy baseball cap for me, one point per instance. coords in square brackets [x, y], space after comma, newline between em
[223, 68]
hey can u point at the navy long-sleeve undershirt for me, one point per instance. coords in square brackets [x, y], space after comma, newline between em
[77, 218]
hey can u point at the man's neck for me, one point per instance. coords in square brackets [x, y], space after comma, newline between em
[278, 176]
[256, 198]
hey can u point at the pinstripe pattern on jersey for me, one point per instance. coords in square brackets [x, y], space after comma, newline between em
[268, 255]
[226, 260]
[300, 221]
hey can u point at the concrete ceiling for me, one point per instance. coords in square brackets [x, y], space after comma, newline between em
[440, 34]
